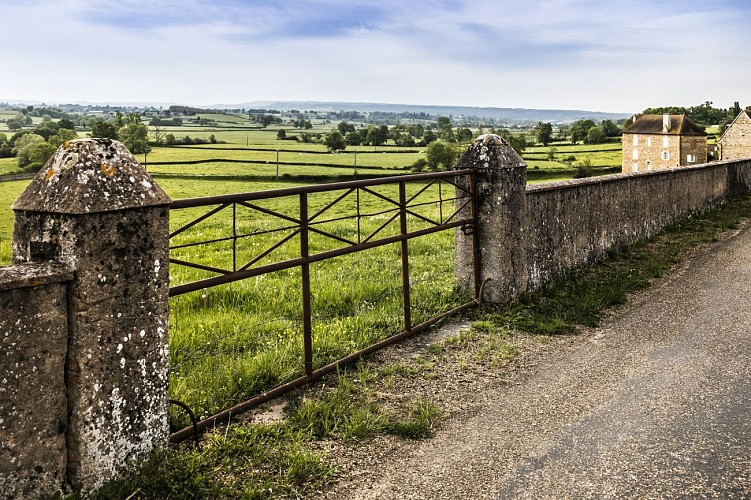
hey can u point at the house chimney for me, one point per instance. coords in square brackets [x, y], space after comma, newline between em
[665, 123]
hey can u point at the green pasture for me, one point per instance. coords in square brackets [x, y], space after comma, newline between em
[9, 166]
[9, 191]
[233, 341]
[599, 155]
[182, 180]
[260, 137]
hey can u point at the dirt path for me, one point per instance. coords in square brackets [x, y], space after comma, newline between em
[655, 403]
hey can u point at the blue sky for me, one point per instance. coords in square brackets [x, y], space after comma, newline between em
[601, 55]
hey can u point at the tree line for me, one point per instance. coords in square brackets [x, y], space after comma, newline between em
[33, 147]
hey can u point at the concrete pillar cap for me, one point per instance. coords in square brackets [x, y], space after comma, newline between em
[490, 151]
[90, 176]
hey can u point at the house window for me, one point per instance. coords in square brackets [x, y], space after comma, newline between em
[636, 139]
[666, 155]
[665, 142]
[635, 154]
[649, 141]
[634, 167]
[649, 166]
[690, 158]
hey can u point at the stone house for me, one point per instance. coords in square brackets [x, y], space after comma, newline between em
[735, 142]
[657, 142]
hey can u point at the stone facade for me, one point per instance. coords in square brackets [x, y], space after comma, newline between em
[735, 143]
[658, 142]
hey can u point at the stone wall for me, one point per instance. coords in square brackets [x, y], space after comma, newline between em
[33, 404]
[527, 235]
[572, 223]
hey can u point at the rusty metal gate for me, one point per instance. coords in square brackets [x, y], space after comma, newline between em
[452, 194]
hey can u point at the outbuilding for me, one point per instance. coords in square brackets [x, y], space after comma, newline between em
[657, 142]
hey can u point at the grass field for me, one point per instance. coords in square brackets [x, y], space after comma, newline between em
[182, 180]
[9, 166]
[230, 342]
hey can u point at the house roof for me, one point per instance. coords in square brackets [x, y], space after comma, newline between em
[748, 115]
[653, 124]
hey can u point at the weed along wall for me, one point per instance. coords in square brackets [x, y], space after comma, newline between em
[95, 212]
[529, 234]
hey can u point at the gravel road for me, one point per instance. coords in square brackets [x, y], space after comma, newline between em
[656, 403]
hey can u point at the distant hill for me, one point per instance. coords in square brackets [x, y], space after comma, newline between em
[506, 115]
[510, 115]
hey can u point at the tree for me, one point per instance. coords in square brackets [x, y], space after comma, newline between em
[464, 135]
[518, 142]
[580, 129]
[158, 132]
[416, 130]
[443, 123]
[345, 128]
[31, 151]
[610, 129]
[544, 133]
[428, 137]
[66, 123]
[595, 135]
[335, 142]
[38, 155]
[281, 134]
[441, 155]
[353, 138]
[63, 135]
[135, 137]
[104, 130]
[377, 135]
[47, 129]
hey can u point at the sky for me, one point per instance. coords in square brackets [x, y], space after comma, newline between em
[595, 55]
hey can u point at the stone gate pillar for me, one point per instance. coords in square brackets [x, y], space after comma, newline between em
[94, 208]
[501, 180]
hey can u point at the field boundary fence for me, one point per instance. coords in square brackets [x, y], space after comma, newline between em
[401, 219]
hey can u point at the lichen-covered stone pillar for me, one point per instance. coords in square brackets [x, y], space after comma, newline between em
[501, 182]
[94, 208]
